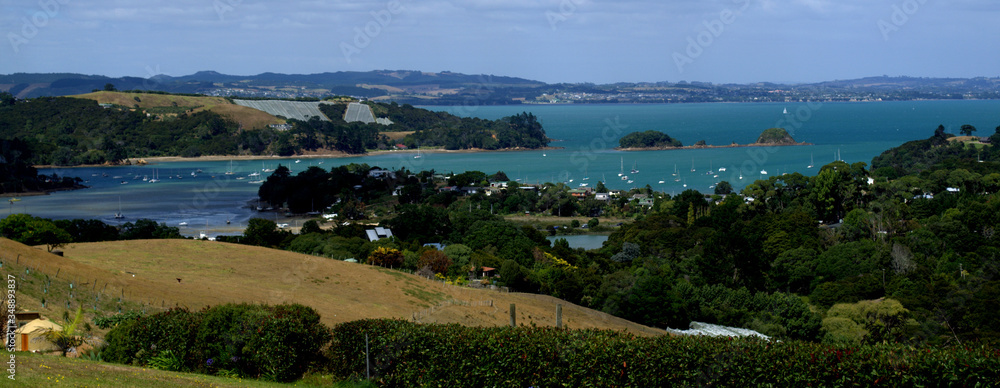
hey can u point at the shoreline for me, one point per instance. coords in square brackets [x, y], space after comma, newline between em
[41, 193]
[317, 155]
[698, 147]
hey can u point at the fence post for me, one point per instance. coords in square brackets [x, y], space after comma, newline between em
[559, 316]
[513, 315]
[368, 366]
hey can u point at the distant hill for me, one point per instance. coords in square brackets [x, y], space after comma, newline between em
[194, 274]
[380, 82]
[449, 88]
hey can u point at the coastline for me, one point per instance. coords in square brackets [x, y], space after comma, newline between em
[708, 146]
[40, 193]
[326, 154]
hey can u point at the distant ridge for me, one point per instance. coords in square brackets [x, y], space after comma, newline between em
[450, 88]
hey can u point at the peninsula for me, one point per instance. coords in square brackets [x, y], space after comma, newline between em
[659, 141]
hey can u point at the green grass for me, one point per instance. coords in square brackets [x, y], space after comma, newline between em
[35, 370]
[424, 295]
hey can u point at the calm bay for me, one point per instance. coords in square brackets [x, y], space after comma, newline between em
[586, 134]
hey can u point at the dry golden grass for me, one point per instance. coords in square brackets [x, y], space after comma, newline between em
[394, 136]
[248, 118]
[151, 100]
[212, 273]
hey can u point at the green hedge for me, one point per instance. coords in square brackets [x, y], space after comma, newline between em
[272, 342]
[405, 354]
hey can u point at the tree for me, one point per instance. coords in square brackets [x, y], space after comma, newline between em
[967, 130]
[261, 232]
[108, 87]
[723, 188]
[7, 99]
[310, 226]
[593, 223]
[461, 256]
[512, 274]
[29, 230]
[66, 337]
[144, 229]
[630, 251]
[435, 260]
[44, 232]
[386, 257]
[600, 188]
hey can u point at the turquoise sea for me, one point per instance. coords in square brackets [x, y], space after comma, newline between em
[587, 135]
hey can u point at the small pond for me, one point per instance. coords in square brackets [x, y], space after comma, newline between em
[585, 241]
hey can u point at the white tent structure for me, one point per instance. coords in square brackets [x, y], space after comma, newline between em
[31, 336]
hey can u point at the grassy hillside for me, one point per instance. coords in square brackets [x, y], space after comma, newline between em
[249, 118]
[45, 371]
[212, 273]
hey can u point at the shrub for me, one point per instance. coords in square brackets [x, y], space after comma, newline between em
[273, 342]
[407, 354]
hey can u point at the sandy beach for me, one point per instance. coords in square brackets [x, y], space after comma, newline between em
[323, 154]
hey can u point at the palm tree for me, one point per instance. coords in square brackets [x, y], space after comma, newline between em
[66, 338]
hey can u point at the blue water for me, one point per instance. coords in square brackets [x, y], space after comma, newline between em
[585, 241]
[587, 134]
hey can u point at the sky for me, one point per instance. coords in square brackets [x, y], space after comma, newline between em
[599, 41]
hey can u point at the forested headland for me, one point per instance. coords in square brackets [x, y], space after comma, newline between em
[66, 131]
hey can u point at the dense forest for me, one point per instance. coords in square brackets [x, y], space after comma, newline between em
[70, 131]
[648, 139]
[442, 129]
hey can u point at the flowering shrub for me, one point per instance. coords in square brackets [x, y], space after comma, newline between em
[386, 257]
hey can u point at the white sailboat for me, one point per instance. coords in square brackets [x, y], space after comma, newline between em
[692, 164]
[785, 111]
[635, 169]
[810, 161]
[119, 215]
[230, 172]
[622, 171]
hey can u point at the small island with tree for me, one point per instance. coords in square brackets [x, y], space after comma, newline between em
[648, 139]
[655, 140]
